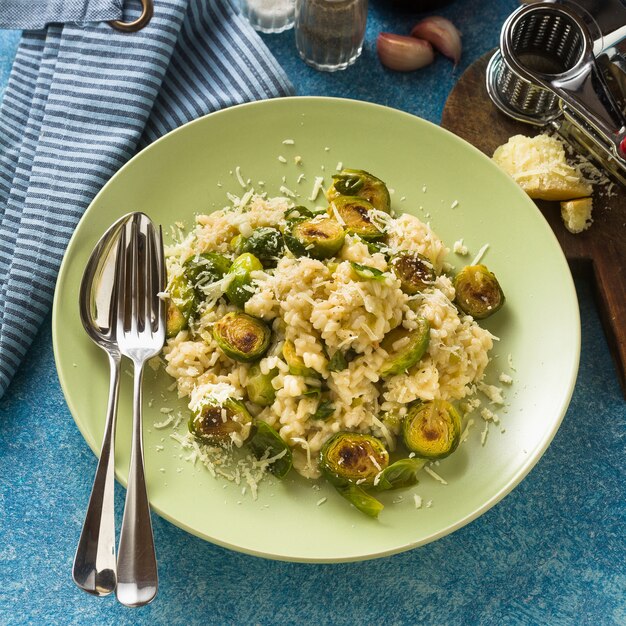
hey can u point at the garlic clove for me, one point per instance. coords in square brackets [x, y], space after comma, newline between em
[403, 54]
[442, 34]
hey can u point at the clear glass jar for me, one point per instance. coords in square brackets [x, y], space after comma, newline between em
[268, 16]
[329, 33]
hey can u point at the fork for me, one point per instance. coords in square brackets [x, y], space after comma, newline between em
[140, 336]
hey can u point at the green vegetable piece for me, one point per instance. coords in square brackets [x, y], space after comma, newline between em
[324, 410]
[355, 214]
[401, 474]
[362, 184]
[415, 271]
[367, 272]
[259, 386]
[206, 268]
[175, 321]
[297, 213]
[265, 243]
[404, 348]
[478, 292]
[239, 290]
[432, 429]
[266, 443]
[242, 337]
[337, 362]
[296, 363]
[317, 238]
[214, 422]
[362, 500]
[350, 457]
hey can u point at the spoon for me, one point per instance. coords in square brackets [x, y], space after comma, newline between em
[94, 568]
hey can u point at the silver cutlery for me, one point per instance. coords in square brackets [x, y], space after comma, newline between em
[140, 335]
[94, 568]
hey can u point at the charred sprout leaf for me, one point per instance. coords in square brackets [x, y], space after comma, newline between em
[206, 268]
[478, 292]
[259, 386]
[296, 363]
[266, 443]
[401, 474]
[367, 272]
[214, 422]
[265, 243]
[356, 215]
[317, 238]
[432, 429]
[298, 213]
[362, 500]
[324, 410]
[350, 457]
[239, 290]
[242, 337]
[414, 271]
[404, 348]
[337, 362]
[377, 247]
[362, 184]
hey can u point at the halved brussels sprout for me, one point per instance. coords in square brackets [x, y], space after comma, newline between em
[259, 386]
[401, 474]
[181, 304]
[265, 443]
[362, 184]
[265, 243]
[356, 216]
[242, 337]
[239, 290]
[350, 457]
[414, 270]
[214, 422]
[432, 429]
[296, 363]
[317, 238]
[404, 348]
[478, 292]
[206, 268]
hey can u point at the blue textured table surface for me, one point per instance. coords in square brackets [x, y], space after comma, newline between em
[553, 551]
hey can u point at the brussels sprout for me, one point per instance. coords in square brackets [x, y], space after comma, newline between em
[296, 363]
[242, 337]
[206, 268]
[298, 213]
[266, 443]
[432, 429]
[355, 214]
[401, 474]
[414, 271]
[181, 305]
[214, 422]
[478, 292]
[337, 362]
[367, 272]
[239, 290]
[362, 184]
[404, 348]
[324, 410]
[259, 386]
[265, 243]
[350, 457]
[317, 238]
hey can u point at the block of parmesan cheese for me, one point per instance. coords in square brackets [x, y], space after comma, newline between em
[576, 214]
[538, 166]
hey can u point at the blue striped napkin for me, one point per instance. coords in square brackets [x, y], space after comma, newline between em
[82, 98]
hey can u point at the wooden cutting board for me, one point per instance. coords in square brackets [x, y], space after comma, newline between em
[599, 251]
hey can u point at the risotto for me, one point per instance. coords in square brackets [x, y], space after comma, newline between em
[335, 317]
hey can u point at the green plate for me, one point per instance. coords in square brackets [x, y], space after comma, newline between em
[190, 171]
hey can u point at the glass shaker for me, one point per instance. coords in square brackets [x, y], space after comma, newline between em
[268, 16]
[329, 33]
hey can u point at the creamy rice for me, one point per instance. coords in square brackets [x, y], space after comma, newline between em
[319, 307]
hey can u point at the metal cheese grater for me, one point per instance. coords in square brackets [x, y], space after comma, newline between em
[562, 65]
